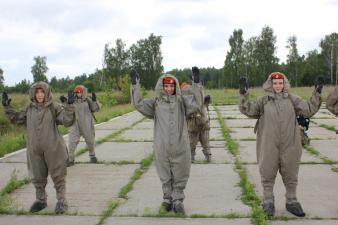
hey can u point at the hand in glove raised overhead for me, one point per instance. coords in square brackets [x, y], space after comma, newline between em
[94, 97]
[319, 84]
[243, 86]
[133, 76]
[71, 97]
[63, 99]
[195, 74]
[5, 100]
[207, 100]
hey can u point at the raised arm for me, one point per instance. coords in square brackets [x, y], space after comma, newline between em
[15, 117]
[332, 101]
[310, 107]
[93, 105]
[252, 109]
[145, 106]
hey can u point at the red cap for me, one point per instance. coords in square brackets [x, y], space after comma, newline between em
[184, 85]
[277, 75]
[169, 80]
[78, 89]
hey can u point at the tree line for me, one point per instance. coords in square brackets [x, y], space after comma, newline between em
[253, 58]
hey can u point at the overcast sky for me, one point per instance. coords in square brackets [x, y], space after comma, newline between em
[72, 33]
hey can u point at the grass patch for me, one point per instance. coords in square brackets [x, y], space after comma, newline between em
[110, 136]
[144, 166]
[249, 196]
[325, 160]
[311, 150]
[331, 128]
[13, 183]
[109, 211]
[12, 137]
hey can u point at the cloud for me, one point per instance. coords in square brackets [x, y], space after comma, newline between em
[72, 34]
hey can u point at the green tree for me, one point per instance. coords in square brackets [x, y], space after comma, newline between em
[146, 58]
[329, 49]
[313, 66]
[293, 60]
[250, 59]
[2, 79]
[234, 65]
[265, 53]
[39, 69]
[116, 62]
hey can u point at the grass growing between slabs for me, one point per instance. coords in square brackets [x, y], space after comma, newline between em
[144, 166]
[13, 184]
[249, 196]
[110, 136]
[325, 160]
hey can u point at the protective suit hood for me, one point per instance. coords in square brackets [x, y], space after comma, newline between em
[45, 87]
[267, 86]
[84, 91]
[160, 90]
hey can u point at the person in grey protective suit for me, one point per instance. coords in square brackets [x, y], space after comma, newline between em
[171, 142]
[46, 149]
[278, 144]
[199, 122]
[84, 123]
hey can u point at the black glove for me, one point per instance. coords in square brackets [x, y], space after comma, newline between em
[195, 74]
[207, 100]
[304, 122]
[5, 100]
[63, 99]
[94, 97]
[319, 84]
[133, 76]
[243, 85]
[71, 97]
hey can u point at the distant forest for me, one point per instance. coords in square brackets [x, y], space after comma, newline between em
[254, 58]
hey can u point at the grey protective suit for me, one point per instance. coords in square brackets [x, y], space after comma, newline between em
[332, 101]
[171, 141]
[84, 124]
[198, 123]
[279, 145]
[46, 149]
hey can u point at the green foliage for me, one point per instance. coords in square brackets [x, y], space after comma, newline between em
[39, 69]
[146, 58]
[234, 62]
[116, 63]
[329, 51]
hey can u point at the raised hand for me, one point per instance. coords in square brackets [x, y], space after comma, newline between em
[243, 86]
[195, 74]
[6, 101]
[319, 84]
[94, 97]
[63, 99]
[133, 76]
[71, 97]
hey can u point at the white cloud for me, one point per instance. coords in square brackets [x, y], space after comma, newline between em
[72, 34]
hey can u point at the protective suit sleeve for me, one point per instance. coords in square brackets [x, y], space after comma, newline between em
[332, 101]
[193, 103]
[65, 115]
[18, 118]
[306, 108]
[252, 109]
[94, 106]
[145, 106]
